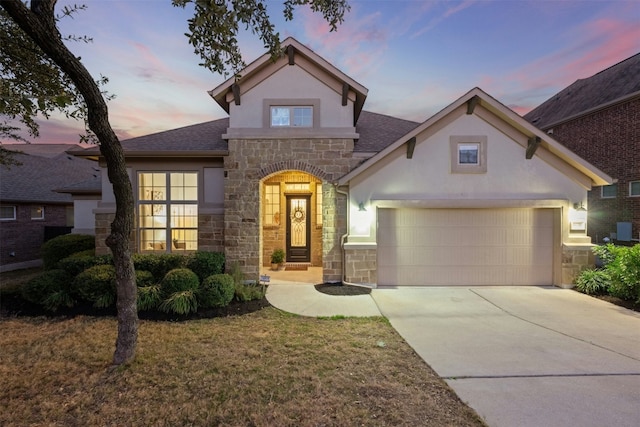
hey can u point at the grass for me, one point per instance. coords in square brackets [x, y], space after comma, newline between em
[267, 368]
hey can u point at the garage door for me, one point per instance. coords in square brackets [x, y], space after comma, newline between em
[435, 247]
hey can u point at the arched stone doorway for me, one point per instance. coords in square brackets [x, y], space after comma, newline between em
[291, 217]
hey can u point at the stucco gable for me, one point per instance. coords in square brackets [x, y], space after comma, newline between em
[294, 52]
[489, 109]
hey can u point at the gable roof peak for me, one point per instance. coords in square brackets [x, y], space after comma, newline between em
[265, 65]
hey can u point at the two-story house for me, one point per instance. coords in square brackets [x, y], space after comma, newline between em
[475, 195]
[598, 118]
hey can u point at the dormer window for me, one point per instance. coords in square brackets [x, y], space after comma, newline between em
[292, 116]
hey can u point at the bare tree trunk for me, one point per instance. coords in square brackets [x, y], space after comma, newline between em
[40, 24]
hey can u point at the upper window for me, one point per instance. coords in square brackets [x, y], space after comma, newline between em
[468, 154]
[292, 116]
[168, 211]
[7, 213]
[609, 191]
[634, 188]
[37, 212]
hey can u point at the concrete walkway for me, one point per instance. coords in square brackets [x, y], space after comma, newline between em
[520, 356]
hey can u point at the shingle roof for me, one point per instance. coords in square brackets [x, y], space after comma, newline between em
[92, 185]
[200, 137]
[377, 131]
[584, 95]
[37, 178]
[42, 150]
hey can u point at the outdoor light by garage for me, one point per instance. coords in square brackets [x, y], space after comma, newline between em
[578, 217]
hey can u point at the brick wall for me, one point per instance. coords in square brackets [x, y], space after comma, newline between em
[610, 140]
[21, 239]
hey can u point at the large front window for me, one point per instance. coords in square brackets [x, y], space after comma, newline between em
[168, 211]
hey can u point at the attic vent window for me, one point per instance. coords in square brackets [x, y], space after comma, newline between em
[468, 153]
[290, 116]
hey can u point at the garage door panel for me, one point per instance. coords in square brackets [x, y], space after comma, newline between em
[465, 247]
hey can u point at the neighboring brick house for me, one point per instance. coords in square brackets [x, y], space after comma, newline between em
[475, 195]
[30, 208]
[598, 118]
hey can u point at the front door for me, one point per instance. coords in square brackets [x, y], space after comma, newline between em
[298, 229]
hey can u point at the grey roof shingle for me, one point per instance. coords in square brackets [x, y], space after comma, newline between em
[615, 82]
[377, 131]
[199, 137]
[37, 178]
[42, 150]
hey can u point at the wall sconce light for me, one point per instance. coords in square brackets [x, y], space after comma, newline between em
[578, 218]
[361, 207]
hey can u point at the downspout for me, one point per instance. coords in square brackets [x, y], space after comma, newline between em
[343, 238]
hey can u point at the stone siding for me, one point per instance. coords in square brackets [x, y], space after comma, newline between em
[574, 260]
[361, 266]
[251, 161]
[211, 232]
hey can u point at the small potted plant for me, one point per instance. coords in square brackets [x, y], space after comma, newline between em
[277, 259]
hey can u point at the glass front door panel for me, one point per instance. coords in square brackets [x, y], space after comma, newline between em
[298, 222]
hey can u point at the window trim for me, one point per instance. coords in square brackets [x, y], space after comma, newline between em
[14, 213]
[602, 196]
[314, 103]
[276, 220]
[168, 246]
[457, 141]
[36, 218]
[631, 187]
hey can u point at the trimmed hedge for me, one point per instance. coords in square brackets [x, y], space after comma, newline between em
[178, 280]
[97, 285]
[216, 291]
[206, 264]
[40, 289]
[61, 247]
[77, 263]
[158, 264]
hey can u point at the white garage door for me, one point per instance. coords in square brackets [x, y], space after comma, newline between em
[423, 247]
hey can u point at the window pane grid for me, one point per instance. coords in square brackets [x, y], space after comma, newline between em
[634, 188]
[272, 204]
[609, 191]
[318, 204]
[7, 213]
[168, 226]
[290, 116]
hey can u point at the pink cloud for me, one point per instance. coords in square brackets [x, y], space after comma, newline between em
[447, 13]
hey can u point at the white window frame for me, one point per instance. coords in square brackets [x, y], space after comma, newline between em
[36, 209]
[457, 143]
[631, 185]
[13, 218]
[603, 196]
[293, 116]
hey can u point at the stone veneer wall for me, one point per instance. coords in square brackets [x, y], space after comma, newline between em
[361, 266]
[211, 232]
[574, 260]
[249, 162]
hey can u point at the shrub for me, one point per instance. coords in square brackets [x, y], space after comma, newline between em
[248, 292]
[593, 282]
[144, 278]
[149, 297]
[50, 289]
[182, 302]
[625, 273]
[62, 246]
[606, 253]
[178, 280]
[277, 257]
[206, 264]
[158, 264]
[77, 263]
[216, 291]
[97, 285]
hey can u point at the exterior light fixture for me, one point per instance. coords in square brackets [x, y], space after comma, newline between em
[578, 218]
[361, 207]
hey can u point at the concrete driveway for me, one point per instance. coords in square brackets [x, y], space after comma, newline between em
[525, 356]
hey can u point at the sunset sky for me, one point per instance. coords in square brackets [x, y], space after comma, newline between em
[414, 56]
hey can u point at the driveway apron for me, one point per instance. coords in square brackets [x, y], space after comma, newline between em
[525, 356]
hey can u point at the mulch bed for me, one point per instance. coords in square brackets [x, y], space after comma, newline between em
[340, 289]
[12, 305]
